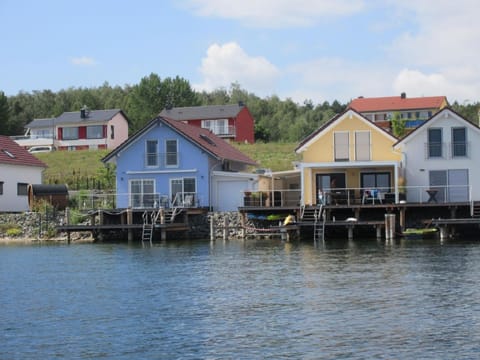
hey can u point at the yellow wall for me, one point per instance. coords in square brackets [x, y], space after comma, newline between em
[322, 151]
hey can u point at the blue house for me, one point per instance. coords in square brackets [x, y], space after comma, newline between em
[172, 164]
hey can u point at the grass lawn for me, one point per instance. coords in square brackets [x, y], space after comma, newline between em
[80, 168]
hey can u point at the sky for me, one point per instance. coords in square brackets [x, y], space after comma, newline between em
[317, 50]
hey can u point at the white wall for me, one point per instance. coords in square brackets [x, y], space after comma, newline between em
[11, 175]
[418, 166]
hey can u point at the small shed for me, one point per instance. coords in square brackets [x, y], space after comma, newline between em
[56, 195]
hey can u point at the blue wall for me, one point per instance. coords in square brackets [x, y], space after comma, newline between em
[193, 163]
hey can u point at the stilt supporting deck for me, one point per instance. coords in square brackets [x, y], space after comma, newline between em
[389, 226]
[130, 222]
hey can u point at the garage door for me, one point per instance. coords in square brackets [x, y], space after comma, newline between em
[230, 194]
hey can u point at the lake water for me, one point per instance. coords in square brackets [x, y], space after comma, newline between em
[262, 299]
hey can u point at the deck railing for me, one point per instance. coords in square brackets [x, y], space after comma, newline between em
[366, 195]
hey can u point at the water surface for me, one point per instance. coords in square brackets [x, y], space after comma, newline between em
[263, 299]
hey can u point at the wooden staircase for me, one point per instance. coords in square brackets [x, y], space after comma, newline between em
[150, 219]
[476, 209]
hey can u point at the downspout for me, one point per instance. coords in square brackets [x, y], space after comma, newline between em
[210, 184]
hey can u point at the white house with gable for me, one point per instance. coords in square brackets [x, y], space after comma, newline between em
[18, 169]
[441, 160]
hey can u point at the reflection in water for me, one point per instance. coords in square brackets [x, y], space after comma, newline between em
[241, 300]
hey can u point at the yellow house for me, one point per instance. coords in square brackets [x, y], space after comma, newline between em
[345, 159]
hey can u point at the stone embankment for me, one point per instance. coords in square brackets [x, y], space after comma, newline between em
[34, 226]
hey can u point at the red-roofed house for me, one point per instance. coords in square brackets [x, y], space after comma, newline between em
[18, 169]
[229, 122]
[415, 111]
[172, 164]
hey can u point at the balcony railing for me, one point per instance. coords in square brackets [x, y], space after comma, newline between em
[444, 150]
[223, 131]
[171, 159]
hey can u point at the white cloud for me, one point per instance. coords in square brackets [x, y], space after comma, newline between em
[228, 63]
[83, 61]
[275, 13]
[439, 56]
[416, 83]
[329, 79]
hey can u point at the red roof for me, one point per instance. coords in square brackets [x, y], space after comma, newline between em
[392, 103]
[209, 141]
[13, 154]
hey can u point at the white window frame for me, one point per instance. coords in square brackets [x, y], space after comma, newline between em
[168, 154]
[151, 156]
[140, 199]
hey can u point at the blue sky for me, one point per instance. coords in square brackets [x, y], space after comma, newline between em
[305, 49]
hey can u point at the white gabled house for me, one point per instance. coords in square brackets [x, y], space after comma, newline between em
[442, 159]
[18, 169]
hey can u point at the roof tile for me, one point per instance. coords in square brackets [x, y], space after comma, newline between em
[13, 154]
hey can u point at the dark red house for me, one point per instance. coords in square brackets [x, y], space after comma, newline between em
[230, 122]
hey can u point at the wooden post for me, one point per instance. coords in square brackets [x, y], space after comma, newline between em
[402, 218]
[389, 226]
[225, 228]
[242, 224]
[212, 227]
[162, 215]
[379, 231]
[350, 232]
[130, 222]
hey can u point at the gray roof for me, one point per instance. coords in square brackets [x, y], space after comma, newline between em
[202, 112]
[92, 116]
[40, 123]
[74, 117]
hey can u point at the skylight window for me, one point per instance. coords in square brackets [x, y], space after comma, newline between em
[207, 139]
[8, 153]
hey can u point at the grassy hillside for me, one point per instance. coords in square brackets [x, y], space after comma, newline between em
[84, 169]
[274, 156]
[77, 169]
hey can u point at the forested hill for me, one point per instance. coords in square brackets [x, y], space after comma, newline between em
[276, 120]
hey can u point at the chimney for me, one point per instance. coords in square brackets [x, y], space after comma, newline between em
[403, 95]
[83, 112]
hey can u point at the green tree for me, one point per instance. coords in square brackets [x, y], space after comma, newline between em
[398, 124]
[147, 99]
[4, 114]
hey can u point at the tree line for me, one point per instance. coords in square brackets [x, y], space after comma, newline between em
[276, 120]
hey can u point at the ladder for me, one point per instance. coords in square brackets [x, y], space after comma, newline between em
[319, 224]
[148, 226]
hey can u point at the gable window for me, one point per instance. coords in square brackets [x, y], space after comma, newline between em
[1, 187]
[95, 132]
[22, 189]
[341, 146]
[459, 142]
[434, 143]
[171, 153]
[70, 133]
[151, 153]
[142, 193]
[362, 145]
